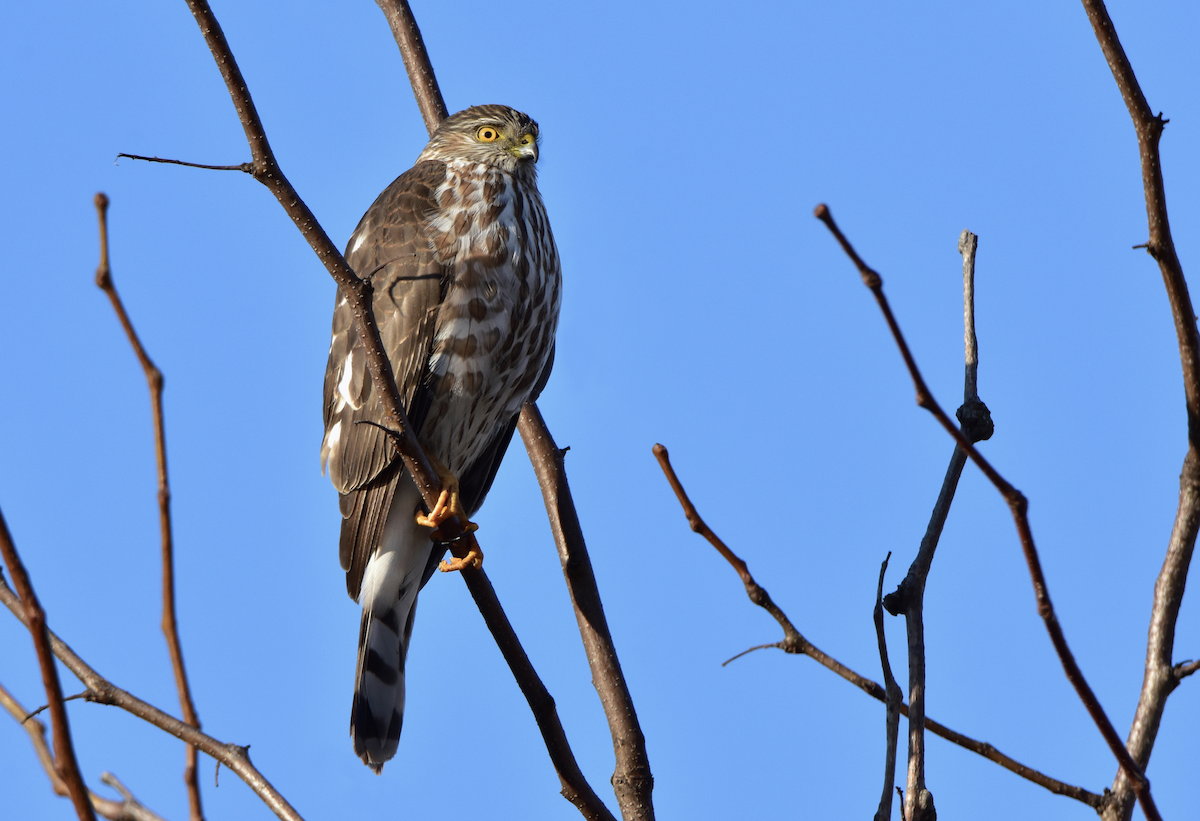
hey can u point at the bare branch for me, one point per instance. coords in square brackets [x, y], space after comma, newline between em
[245, 166]
[895, 697]
[30, 611]
[575, 787]
[44, 707]
[795, 643]
[967, 243]
[416, 62]
[358, 292]
[128, 810]
[909, 598]
[1019, 506]
[1159, 679]
[632, 781]
[170, 626]
[105, 692]
[1185, 669]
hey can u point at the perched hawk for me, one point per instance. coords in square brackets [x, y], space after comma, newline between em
[467, 288]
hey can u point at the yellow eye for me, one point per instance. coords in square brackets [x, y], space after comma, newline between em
[487, 134]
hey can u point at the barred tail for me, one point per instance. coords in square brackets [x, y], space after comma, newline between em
[389, 600]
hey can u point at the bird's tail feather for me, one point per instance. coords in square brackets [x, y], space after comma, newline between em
[389, 599]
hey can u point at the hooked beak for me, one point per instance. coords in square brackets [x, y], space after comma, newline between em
[525, 152]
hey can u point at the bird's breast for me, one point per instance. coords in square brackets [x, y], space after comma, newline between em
[495, 328]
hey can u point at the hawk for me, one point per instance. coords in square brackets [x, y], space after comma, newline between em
[467, 286]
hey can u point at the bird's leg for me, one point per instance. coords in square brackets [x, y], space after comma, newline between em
[448, 505]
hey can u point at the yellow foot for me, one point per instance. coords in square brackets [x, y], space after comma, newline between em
[447, 505]
[474, 557]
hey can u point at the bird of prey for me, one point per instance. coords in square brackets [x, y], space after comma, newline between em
[467, 286]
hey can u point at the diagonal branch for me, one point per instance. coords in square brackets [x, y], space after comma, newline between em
[632, 781]
[129, 809]
[1019, 506]
[795, 643]
[170, 625]
[416, 62]
[30, 611]
[1159, 679]
[358, 293]
[102, 691]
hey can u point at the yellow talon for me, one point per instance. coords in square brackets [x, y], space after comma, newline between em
[448, 506]
[474, 557]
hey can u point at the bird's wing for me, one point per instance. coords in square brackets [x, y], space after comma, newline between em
[389, 247]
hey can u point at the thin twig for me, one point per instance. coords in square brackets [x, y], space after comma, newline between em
[75, 697]
[244, 167]
[128, 810]
[1159, 679]
[895, 696]
[1019, 506]
[795, 643]
[1185, 669]
[632, 780]
[33, 617]
[170, 625]
[105, 692]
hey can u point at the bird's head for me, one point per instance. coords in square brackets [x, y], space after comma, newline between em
[490, 134]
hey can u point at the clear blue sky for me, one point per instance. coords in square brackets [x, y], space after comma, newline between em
[704, 307]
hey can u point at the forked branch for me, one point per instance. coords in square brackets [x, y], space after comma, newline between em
[1018, 506]
[796, 643]
[29, 610]
[1159, 679]
[102, 691]
[358, 293]
[128, 809]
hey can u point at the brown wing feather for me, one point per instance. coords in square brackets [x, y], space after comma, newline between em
[389, 246]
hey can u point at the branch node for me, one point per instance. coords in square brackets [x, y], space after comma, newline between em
[976, 421]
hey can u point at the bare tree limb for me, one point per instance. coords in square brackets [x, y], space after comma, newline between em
[416, 62]
[30, 611]
[170, 625]
[358, 293]
[895, 697]
[1018, 505]
[103, 691]
[795, 643]
[909, 598]
[1159, 679]
[632, 781]
[130, 809]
